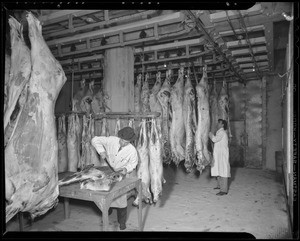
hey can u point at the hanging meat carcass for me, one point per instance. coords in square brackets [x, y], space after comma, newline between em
[95, 158]
[214, 109]
[214, 113]
[31, 175]
[86, 137]
[72, 143]
[76, 100]
[163, 97]
[145, 95]
[86, 101]
[203, 126]
[223, 101]
[62, 145]
[137, 94]
[117, 127]
[6, 79]
[143, 166]
[189, 114]
[19, 74]
[155, 162]
[177, 129]
[155, 106]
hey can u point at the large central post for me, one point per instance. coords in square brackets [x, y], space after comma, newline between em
[118, 81]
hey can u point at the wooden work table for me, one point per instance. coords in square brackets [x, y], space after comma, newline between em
[102, 199]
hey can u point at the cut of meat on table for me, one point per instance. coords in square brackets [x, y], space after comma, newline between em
[203, 126]
[224, 107]
[154, 103]
[137, 94]
[143, 166]
[62, 145]
[145, 95]
[72, 144]
[155, 162]
[31, 175]
[163, 97]
[20, 70]
[88, 172]
[177, 130]
[189, 114]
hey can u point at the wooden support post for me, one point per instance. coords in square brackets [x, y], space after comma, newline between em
[88, 44]
[156, 31]
[121, 38]
[106, 16]
[119, 80]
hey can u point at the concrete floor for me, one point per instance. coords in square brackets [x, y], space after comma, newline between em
[255, 204]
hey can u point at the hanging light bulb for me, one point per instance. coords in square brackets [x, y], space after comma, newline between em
[143, 34]
[103, 41]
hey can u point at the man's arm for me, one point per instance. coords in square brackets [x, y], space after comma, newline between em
[99, 143]
[218, 137]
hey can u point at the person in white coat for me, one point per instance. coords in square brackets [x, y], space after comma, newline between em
[122, 157]
[221, 167]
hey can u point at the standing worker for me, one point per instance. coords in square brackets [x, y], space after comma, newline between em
[122, 156]
[221, 166]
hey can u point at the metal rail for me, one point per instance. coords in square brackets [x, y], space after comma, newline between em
[201, 28]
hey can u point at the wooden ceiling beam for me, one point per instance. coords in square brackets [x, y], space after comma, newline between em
[243, 42]
[241, 31]
[175, 17]
[232, 14]
[260, 49]
[63, 15]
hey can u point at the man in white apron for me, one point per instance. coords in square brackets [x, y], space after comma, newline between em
[221, 167]
[122, 156]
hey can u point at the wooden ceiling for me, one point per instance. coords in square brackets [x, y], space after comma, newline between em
[237, 45]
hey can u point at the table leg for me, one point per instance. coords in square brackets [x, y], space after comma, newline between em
[66, 208]
[140, 206]
[105, 217]
[21, 224]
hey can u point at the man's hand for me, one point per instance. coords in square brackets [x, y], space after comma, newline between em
[210, 135]
[122, 170]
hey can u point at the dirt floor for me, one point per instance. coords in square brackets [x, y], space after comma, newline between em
[255, 204]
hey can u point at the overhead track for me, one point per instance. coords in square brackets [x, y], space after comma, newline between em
[201, 28]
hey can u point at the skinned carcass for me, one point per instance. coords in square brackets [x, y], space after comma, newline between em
[31, 175]
[223, 101]
[155, 162]
[62, 145]
[214, 114]
[76, 100]
[145, 95]
[155, 106]
[189, 114]
[118, 126]
[19, 74]
[214, 109]
[143, 166]
[177, 129]
[86, 101]
[72, 143]
[163, 97]
[203, 126]
[137, 94]
[86, 138]
[6, 79]
[95, 158]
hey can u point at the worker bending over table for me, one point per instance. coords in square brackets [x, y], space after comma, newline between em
[122, 157]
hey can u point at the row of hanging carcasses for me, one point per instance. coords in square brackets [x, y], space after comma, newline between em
[188, 114]
[75, 150]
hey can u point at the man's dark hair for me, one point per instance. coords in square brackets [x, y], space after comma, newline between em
[224, 122]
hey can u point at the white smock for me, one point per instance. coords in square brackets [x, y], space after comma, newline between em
[126, 157]
[220, 166]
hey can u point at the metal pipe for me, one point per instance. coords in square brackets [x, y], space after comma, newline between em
[215, 45]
